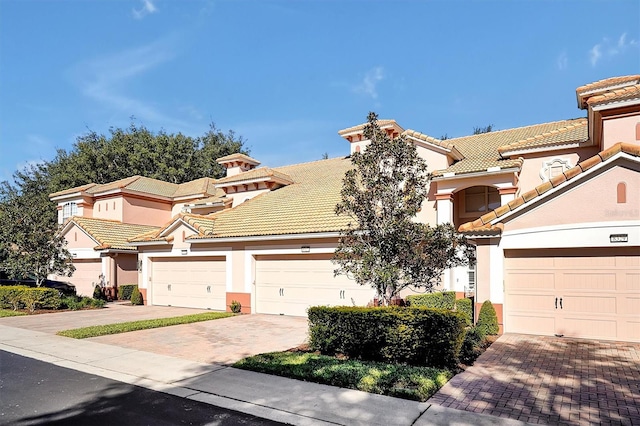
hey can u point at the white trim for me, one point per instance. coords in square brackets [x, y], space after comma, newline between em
[176, 224]
[82, 254]
[148, 243]
[429, 145]
[593, 234]
[78, 194]
[448, 176]
[496, 272]
[546, 167]
[533, 150]
[265, 237]
[617, 104]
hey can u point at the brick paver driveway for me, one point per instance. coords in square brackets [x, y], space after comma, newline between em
[550, 380]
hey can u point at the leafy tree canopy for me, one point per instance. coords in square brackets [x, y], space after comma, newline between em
[385, 247]
[485, 129]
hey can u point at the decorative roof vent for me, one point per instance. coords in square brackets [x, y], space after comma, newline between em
[237, 163]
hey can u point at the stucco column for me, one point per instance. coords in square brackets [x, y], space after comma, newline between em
[507, 194]
[444, 207]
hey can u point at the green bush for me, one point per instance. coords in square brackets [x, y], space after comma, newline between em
[235, 307]
[98, 294]
[471, 346]
[136, 297]
[487, 319]
[31, 298]
[465, 306]
[440, 300]
[416, 336]
[125, 291]
[75, 303]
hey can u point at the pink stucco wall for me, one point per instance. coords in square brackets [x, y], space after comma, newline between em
[108, 208]
[145, 212]
[127, 268]
[620, 129]
[77, 239]
[592, 201]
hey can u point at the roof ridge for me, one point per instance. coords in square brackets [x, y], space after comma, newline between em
[517, 128]
[344, 157]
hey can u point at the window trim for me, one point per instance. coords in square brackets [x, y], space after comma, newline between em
[69, 210]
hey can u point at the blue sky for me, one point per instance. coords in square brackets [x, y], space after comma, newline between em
[287, 75]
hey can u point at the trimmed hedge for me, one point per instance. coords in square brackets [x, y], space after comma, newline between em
[136, 297]
[487, 319]
[30, 298]
[125, 291]
[440, 300]
[465, 306]
[415, 335]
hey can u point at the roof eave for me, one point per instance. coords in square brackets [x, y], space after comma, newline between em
[447, 176]
[555, 147]
[264, 237]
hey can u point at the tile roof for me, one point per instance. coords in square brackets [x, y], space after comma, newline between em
[429, 139]
[237, 156]
[577, 131]
[202, 224]
[73, 190]
[218, 197]
[195, 187]
[305, 206]
[481, 151]
[262, 172]
[150, 186]
[381, 123]
[608, 82]
[484, 222]
[624, 93]
[111, 234]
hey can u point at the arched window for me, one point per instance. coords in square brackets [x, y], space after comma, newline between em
[69, 210]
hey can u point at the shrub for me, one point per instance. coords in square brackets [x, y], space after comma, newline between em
[125, 291]
[487, 319]
[136, 297]
[31, 298]
[440, 300]
[235, 307]
[416, 336]
[471, 346]
[98, 294]
[97, 303]
[465, 307]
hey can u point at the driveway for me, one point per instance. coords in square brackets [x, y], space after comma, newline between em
[222, 341]
[551, 380]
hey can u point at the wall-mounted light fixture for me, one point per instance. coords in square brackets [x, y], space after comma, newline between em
[305, 249]
[184, 252]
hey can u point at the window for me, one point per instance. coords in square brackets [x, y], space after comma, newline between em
[553, 168]
[480, 199]
[68, 210]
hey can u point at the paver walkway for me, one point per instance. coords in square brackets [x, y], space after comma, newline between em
[551, 380]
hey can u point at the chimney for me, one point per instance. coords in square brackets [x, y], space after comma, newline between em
[237, 163]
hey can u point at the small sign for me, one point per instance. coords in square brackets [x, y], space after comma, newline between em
[619, 238]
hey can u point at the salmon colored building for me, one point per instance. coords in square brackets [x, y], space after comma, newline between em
[553, 209]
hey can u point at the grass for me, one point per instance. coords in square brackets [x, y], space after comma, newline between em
[10, 313]
[402, 381]
[125, 327]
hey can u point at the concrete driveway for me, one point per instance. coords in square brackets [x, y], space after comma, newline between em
[222, 341]
[551, 380]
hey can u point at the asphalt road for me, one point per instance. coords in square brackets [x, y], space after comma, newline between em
[33, 392]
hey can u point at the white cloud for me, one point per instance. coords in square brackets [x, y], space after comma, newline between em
[106, 80]
[147, 8]
[368, 85]
[608, 48]
[562, 61]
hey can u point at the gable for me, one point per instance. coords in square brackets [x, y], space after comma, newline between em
[179, 234]
[77, 238]
[591, 200]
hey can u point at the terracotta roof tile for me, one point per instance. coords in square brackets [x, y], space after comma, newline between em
[481, 151]
[607, 82]
[237, 156]
[629, 92]
[577, 131]
[305, 206]
[484, 221]
[152, 186]
[111, 233]
[80, 188]
[427, 138]
[381, 123]
[195, 187]
[262, 172]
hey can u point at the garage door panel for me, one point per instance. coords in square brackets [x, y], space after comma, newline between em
[600, 293]
[290, 284]
[193, 283]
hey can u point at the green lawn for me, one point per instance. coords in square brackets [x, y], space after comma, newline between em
[10, 313]
[124, 327]
[402, 381]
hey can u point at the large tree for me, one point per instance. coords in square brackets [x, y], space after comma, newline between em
[29, 242]
[385, 247]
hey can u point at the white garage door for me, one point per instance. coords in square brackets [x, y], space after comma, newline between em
[191, 283]
[288, 285]
[590, 293]
[86, 274]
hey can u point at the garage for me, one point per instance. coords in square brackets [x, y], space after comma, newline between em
[192, 283]
[86, 275]
[289, 284]
[587, 293]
